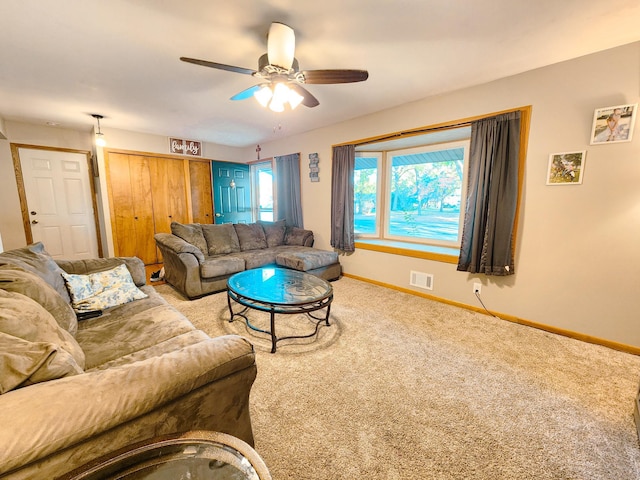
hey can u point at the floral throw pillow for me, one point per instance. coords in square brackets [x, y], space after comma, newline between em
[101, 290]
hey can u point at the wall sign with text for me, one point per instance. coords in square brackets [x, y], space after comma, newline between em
[180, 146]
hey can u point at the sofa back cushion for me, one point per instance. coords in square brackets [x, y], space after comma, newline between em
[16, 279]
[190, 233]
[299, 237]
[274, 232]
[24, 363]
[36, 259]
[221, 239]
[251, 236]
[92, 265]
[24, 318]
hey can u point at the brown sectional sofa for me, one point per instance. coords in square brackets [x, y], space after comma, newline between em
[72, 391]
[198, 258]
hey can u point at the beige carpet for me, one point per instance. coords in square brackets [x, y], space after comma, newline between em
[400, 387]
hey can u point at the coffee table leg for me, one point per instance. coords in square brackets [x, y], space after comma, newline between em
[230, 309]
[274, 339]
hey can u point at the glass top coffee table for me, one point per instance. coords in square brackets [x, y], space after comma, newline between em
[198, 455]
[279, 291]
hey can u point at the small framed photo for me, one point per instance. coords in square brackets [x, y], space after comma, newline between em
[566, 168]
[613, 124]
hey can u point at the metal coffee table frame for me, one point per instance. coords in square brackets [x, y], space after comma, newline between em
[306, 306]
[188, 453]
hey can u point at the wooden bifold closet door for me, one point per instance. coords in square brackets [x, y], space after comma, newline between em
[201, 191]
[147, 193]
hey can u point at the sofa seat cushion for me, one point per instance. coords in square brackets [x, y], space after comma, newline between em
[305, 258]
[130, 309]
[120, 332]
[172, 344]
[257, 258]
[223, 265]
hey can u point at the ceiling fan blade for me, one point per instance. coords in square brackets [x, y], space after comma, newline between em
[247, 93]
[219, 66]
[308, 100]
[334, 76]
[281, 45]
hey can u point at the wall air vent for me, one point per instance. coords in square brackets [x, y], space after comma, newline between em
[421, 280]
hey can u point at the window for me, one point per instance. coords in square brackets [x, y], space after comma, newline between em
[365, 193]
[412, 194]
[262, 177]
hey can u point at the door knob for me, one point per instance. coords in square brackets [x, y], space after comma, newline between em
[218, 214]
[34, 222]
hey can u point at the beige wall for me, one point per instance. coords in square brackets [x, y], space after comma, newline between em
[578, 259]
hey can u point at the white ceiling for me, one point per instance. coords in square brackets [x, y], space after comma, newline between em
[61, 60]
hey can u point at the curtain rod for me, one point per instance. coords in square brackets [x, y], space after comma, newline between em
[410, 133]
[463, 122]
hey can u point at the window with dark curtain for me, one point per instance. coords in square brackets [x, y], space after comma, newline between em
[288, 199]
[492, 196]
[342, 167]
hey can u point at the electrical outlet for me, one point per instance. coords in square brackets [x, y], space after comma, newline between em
[477, 288]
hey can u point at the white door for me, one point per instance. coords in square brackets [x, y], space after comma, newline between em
[59, 202]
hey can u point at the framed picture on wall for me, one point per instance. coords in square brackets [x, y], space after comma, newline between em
[613, 124]
[566, 168]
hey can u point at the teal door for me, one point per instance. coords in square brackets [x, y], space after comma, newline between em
[231, 192]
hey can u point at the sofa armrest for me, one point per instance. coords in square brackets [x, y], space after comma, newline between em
[84, 267]
[298, 236]
[168, 241]
[94, 402]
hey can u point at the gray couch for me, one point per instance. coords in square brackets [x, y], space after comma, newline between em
[198, 259]
[71, 391]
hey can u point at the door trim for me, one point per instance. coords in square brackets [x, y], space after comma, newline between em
[22, 194]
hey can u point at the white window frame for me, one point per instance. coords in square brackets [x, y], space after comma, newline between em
[255, 187]
[383, 194]
[379, 186]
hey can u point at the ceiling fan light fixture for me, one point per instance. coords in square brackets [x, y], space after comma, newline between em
[280, 97]
[263, 95]
[294, 98]
[280, 93]
[275, 106]
[277, 95]
[281, 45]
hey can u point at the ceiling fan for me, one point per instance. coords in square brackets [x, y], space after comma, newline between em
[281, 73]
